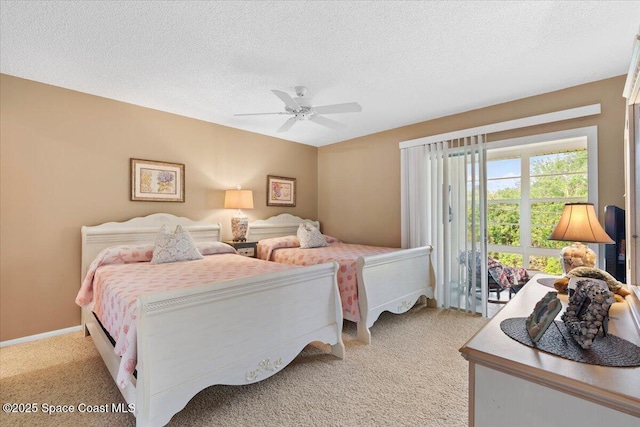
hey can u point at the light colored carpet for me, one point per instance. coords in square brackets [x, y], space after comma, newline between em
[411, 375]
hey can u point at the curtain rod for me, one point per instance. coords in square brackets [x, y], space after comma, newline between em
[556, 116]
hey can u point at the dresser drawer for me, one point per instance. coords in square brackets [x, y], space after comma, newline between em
[248, 249]
[251, 252]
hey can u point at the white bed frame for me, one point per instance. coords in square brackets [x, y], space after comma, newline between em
[392, 281]
[234, 332]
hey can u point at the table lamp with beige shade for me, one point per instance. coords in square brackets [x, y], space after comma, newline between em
[239, 199]
[579, 224]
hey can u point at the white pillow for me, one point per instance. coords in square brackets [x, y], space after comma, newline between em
[212, 248]
[310, 237]
[173, 246]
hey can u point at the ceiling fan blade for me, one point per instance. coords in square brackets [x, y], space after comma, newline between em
[288, 101]
[259, 114]
[327, 122]
[287, 125]
[349, 107]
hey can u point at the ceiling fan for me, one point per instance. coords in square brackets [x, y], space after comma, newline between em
[301, 109]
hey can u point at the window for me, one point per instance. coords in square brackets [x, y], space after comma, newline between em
[528, 182]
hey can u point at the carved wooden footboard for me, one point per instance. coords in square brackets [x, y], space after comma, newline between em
[239, 333]
[393, 282]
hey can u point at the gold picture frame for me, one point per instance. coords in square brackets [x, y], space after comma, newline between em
[281, 191]
[154, 181]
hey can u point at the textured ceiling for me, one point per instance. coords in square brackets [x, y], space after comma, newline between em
[403, 62]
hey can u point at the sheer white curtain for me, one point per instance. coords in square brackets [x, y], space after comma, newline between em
[442, 187]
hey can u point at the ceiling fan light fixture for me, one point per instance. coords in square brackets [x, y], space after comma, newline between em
[302, 109]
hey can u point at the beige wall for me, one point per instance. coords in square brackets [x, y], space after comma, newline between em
[65, 163]
[359, 180]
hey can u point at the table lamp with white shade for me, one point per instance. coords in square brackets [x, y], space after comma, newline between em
[239, 199]
[579, 224]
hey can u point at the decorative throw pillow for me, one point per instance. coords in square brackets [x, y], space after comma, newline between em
[310, 237]
[173, 246]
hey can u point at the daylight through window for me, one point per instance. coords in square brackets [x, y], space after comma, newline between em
[527, 188]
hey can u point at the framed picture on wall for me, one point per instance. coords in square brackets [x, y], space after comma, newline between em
[281, 191]
[154, 181]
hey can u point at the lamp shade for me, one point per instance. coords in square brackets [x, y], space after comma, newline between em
[579, 223]
[238, 199]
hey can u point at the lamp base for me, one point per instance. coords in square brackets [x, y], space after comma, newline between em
[577, 255]
[239, 225]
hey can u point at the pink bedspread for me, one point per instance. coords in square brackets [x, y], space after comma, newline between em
[116, 287]
[344, 254]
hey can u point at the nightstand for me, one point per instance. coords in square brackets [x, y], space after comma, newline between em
[249, 249]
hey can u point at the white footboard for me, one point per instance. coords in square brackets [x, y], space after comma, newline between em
[235, 332]
[391, 282]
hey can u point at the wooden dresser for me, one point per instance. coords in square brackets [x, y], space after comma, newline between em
[512, 384]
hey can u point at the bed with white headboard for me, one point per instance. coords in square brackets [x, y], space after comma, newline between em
[392, 281]
[232, 332]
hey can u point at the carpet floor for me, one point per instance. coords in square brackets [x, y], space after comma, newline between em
[412, 374]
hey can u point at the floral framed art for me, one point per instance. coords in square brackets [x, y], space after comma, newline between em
[281, 191]
[154, 181]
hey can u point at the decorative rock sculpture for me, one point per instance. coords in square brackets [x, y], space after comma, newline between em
[588, 311]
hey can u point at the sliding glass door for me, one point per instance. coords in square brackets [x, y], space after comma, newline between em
[467, 208]
[469, 199]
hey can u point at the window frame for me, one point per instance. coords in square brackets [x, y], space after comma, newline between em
[529, 146]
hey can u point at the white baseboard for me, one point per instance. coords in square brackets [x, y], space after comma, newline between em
[40, 336]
